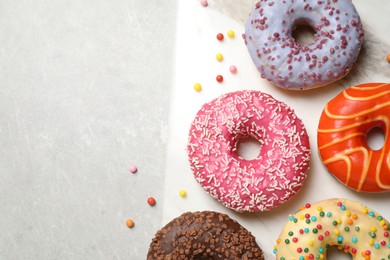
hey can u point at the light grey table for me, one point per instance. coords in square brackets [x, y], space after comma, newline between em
[84, 93]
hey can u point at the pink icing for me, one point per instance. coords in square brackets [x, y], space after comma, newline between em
[260, 184]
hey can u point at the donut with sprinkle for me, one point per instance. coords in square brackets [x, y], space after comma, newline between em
[204, 235]
[292, 65]
[350, 226]
[274, 176]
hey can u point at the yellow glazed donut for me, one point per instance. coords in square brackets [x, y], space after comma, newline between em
[346, 224]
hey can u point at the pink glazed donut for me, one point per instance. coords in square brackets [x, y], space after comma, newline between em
[288, 64]
[274, 176]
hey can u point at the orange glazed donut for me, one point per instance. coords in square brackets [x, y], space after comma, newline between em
[342, 133]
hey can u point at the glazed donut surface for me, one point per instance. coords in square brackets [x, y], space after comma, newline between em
[288, 64]
[204, 235]
[348, 225]
[342, 137]
[274, 176]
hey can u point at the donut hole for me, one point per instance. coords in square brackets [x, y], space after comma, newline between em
[375, 138]
[334, 253]
[248, 148]
[303, 33]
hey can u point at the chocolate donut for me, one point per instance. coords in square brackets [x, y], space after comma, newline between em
[204, 235]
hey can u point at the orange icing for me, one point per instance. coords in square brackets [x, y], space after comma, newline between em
[342, 133]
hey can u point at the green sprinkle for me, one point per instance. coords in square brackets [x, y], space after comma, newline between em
[357, 228]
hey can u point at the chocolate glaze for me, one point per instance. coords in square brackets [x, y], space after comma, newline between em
[204, 235]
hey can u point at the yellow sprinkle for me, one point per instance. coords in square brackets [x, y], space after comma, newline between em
[365, 211]
[383, 222]
[348, 213]
[319, 208]
[371, 242]
[336, 231]
[321, 256]
[338, 221]
[219, 57]
[373, 229]
[302, 217]
[198, 87]
[230, 33]
[311, 243]
[182, 193]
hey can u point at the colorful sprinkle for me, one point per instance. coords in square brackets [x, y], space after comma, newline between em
[219, 78]
[133, 168]
[129, 223]
[219, 57]
[151, 201]
[197, 87]
[388, 58]
[231, 34]
[182, 193]
[233, 69]
[204, 3]
[220, 37]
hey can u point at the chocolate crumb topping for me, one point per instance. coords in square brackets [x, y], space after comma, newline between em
[204, 235]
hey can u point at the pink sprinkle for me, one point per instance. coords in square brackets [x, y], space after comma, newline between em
[204, 3]
[133, 168]
[233, 69]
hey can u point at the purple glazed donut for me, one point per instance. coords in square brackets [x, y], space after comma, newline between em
[287, 63]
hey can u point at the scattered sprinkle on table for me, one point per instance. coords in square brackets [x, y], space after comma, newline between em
[219, 78]
[230, 33]
[233, 69]
[182, 193]
[219, 57]
[220, 37]
[197, 87]
[204, 3]
[388, 58]
[133, 168]
[129, 223]
[151, 201]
